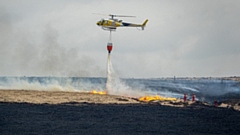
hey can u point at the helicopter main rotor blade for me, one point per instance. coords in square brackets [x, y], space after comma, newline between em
[121, 15]
[112, 15]
[101, 14]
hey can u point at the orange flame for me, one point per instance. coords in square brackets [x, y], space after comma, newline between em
[98, 92]
[156, 98]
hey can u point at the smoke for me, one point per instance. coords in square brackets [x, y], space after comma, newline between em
[43, 84]
[79, 84]
[59, 61]
[22, 54]
[5, 33]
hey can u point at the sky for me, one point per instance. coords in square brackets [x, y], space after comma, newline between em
[183, 38]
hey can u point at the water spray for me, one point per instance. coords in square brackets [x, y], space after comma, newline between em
[109, 64]
[109, 78]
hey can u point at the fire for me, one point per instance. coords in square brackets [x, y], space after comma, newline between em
[98, 92]
[156, 98]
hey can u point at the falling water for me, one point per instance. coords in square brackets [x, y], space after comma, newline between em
[109, 74]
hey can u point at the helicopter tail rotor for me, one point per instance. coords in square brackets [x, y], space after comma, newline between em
[144, 24]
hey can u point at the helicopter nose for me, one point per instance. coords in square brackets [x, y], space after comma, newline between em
[97, 23]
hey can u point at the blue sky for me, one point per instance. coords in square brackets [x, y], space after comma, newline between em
[60, 38]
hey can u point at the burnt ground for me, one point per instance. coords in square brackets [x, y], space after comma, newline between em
[75, 118]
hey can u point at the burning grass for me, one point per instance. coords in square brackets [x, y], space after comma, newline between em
[156, 98]
[144, 98]
[98, 92]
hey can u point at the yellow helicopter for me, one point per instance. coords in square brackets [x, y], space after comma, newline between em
[111, 24]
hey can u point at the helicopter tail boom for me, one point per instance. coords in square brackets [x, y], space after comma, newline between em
[135, 25]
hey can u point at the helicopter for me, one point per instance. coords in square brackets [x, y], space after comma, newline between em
[111, 24]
